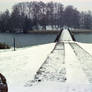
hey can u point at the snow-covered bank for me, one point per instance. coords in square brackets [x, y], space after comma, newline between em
[21, 65]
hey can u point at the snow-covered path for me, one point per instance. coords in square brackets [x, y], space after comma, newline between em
[74, 69]
[53, 68]
[64, 64]
[84, 58]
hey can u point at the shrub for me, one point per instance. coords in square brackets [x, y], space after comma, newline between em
[4, 46]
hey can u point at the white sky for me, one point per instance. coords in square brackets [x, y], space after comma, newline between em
[79, 4]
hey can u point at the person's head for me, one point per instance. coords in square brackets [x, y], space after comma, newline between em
[3, 84]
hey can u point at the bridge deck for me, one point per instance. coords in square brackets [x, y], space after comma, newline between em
[67, 63]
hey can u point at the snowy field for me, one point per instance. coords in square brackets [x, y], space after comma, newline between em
[65, 66]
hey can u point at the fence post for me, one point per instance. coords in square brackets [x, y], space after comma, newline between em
[14, 44]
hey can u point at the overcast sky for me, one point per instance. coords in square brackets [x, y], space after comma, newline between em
[82, 5]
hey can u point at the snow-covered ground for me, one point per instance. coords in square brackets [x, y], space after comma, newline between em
[77, 81]
[65, 66]
[21, 65]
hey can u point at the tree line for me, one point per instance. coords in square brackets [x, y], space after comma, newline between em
[28, 16]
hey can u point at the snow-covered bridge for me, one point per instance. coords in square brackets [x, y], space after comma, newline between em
[67, 62]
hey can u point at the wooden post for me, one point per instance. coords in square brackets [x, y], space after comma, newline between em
[14, 44]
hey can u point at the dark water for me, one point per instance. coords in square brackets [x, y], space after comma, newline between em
[23, 40]
[84, 37]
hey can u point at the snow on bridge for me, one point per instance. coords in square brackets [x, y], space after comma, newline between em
[68, 62]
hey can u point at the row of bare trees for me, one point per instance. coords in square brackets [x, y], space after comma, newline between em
[39, 15]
